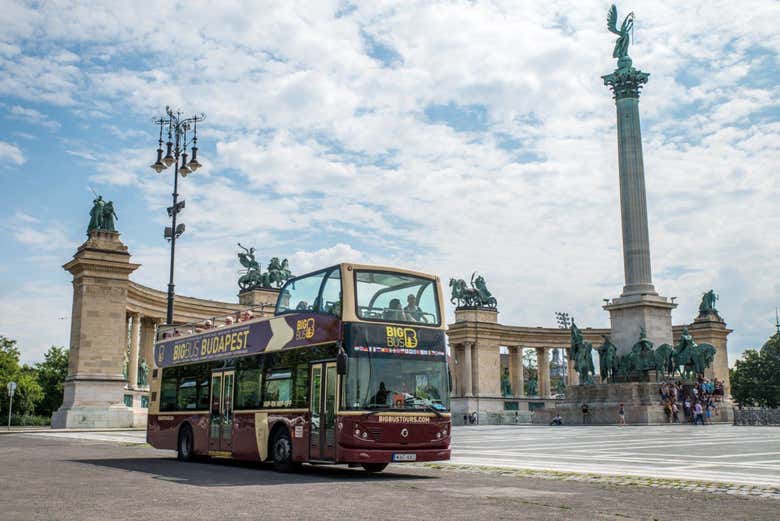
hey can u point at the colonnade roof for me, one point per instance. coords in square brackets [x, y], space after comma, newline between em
[152, 303]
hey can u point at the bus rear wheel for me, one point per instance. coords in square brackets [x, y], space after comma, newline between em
[282, 452]
[374, 468]
[184, 447]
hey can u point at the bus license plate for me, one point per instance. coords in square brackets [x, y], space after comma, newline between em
[404, 457]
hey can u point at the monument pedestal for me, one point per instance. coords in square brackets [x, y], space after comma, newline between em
[265, 297]
[95, 386]
[629, 314]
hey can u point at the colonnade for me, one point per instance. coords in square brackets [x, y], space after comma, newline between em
[471, 380]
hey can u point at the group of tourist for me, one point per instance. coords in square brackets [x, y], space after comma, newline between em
[698, 401]
[244, 316]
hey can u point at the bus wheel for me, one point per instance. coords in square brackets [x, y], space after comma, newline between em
[373, 468]
[282, 451]
[184, 447]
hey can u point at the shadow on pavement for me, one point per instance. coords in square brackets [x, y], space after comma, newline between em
[223, 473]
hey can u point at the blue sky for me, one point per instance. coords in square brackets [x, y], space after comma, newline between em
[446, 137]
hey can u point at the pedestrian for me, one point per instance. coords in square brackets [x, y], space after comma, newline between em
[675, 413]
[585, 414]
[668, 412]
[687, 410]
[698, 414]
[621, 415]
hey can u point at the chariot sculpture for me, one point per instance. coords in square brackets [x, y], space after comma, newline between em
[475, 296]
[277, 273]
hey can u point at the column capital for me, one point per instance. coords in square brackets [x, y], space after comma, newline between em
[626, 82]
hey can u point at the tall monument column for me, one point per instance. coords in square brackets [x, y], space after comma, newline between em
[639, 306]
[95, 386]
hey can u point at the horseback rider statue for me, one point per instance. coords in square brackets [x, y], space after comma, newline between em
[582, 354]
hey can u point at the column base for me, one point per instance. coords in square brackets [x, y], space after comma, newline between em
[629, 314]
[95, 404]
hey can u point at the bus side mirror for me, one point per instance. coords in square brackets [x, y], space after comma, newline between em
[341, 362]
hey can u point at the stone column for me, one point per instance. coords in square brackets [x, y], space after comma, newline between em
[467, 369]
[639, 306]
[543, 370]
[626, 82]
[94, 388]
[574, 378]
[132, 366]
[516, 368]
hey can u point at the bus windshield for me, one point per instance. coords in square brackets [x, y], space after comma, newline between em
[396, 297]
[394, 383]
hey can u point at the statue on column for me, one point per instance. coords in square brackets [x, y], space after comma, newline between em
[707, 305]
[532, 387]
[506, 386]
[143, 373]
[102, 215]
[621, 44]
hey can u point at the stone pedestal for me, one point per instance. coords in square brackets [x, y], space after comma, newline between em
[628, 314]
[259, 297]
[641, 402]
[95, 386]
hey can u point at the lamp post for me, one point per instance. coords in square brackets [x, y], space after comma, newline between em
[176, 150]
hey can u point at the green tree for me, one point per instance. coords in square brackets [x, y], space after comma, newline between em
[51, 377]
[755, 379]
[28, 390]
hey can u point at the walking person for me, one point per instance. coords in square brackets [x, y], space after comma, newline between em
[621, 415]
[698, 414]
[675, 413]
[585, 414]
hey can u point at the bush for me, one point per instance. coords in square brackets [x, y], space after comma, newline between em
[28, 420]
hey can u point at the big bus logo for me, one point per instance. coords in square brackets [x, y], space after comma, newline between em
[405, 337]
[304, 329]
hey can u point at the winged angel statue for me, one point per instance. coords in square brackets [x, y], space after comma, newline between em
[621, 44]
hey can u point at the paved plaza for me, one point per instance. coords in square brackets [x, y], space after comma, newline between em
[714, 453]
[723, 453]
[99, 476]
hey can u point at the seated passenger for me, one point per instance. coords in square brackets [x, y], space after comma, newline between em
[394, 311]
[207, 324]
[413, 311]
[245, 315]
[228, 321]
[302, 306]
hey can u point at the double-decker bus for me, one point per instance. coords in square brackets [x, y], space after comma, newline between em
[352, 368]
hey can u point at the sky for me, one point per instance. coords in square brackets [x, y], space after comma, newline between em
[447, 137]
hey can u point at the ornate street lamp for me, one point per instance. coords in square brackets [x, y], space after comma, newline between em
[175, 149]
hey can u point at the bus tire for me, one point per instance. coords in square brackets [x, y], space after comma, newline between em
[373, 468]
[282, 452]
[184, 447]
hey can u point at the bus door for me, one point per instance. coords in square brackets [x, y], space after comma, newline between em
[221, 417]
[322, 397]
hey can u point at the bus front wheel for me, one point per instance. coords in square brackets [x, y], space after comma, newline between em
[282, 452]
[184, 447]
[374, 467]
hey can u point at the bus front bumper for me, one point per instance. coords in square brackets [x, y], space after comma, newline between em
[348, 455]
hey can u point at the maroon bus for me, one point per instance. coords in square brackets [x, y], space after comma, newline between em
[352, 368]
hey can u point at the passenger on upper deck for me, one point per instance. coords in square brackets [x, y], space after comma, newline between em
[413, 311]
[245, 315]
[228, 321]
[394, 310]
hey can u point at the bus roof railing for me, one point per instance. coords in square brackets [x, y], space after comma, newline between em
[166, 331]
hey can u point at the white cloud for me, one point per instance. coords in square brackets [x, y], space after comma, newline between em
[32, 116]
[11, 154]
[322, 153]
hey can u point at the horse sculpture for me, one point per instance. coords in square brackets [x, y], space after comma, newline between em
[690, 358]
[664, 361]
[475, 296]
